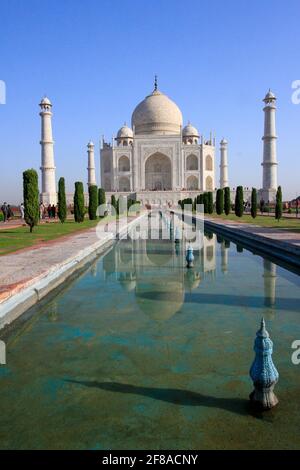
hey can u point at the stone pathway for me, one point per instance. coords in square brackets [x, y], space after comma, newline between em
[25, 267]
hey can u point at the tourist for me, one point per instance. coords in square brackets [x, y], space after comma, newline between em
[53, 211]
[4, 211]
[41, 210]
[49, 209]
[10, 213]
[22, 210]
[262, 206]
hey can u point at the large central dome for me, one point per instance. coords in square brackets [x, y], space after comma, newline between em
[157, 114]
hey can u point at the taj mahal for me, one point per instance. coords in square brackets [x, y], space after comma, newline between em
[159, 160]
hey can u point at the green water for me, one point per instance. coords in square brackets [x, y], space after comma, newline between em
[139, 352]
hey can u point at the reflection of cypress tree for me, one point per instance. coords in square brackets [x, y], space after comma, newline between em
[227, 244]
[220, 239]
[208, 234]
[239, 248]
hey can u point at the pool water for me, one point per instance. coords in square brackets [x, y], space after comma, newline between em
[140, 352]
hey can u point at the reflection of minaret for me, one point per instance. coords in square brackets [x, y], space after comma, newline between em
[224, 258]
[269, 283]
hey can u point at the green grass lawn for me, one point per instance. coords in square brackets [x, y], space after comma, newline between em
[291, 225]
[16, 238]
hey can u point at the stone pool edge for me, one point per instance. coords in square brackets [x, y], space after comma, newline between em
[283, 251]
[280, 250]
[13, 307]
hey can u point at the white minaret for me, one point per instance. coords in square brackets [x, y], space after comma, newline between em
[269, 155]
[223, 164]
[91, 164]
[48, 195]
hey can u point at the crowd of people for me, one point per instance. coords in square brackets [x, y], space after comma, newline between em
[50, 211]
[7, 212]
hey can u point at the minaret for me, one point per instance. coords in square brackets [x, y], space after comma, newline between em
[269, 153]
[91, 164]
[48, 195]
[223, 164]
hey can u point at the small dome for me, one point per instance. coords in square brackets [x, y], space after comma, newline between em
[190, 131]
[270, 96]
[157, 114]
[124, 132]
[45, 101]
[223, 142]
[90, 144]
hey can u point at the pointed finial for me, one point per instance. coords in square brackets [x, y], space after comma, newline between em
[155, 83]
[262, 332]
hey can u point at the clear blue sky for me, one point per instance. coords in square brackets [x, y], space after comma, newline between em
[96, 59]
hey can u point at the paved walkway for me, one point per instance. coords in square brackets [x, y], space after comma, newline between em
[14, 223]
[25, 267]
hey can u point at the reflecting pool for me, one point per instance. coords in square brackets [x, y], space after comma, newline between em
[140, 352]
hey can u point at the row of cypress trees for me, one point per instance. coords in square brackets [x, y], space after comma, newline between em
[223, 202]
[96, 198]
[31, 200]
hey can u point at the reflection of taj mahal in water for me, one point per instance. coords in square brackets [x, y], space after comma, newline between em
[134, 263]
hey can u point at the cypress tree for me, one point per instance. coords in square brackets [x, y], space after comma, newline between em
[31, 198]
[113, 201]
[205, 203]
[62, 204]
[254, 203]
[278, 207]
[239, 202]
[79, 209]
[227, 201]
[210, 200]
[220, 201]
[200, 200]
[93, 202]
[101, 196]
[195, 204]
